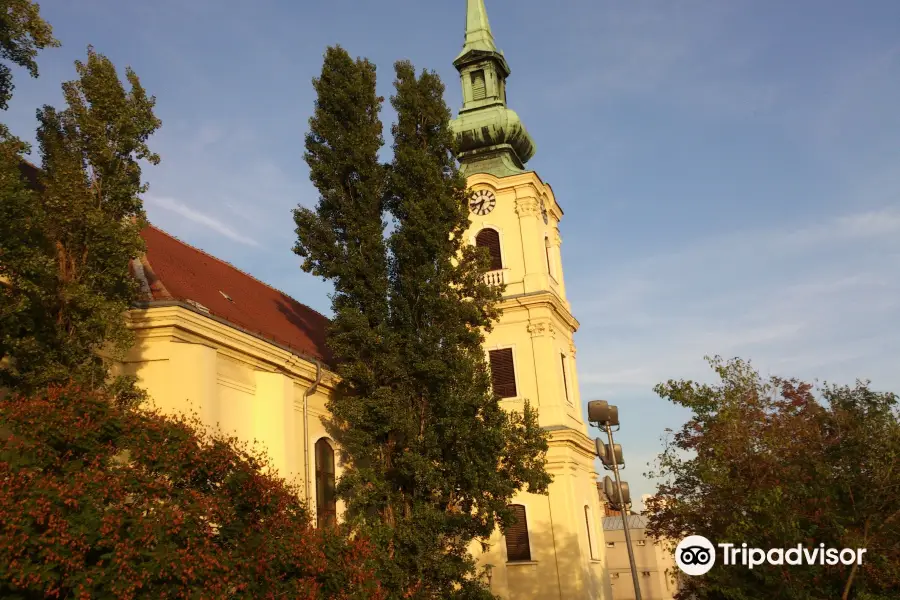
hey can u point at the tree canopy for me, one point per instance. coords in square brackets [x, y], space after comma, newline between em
[431, 459]
[774, 462]
[67, 242]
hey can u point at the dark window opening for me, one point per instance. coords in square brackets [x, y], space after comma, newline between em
[517, 544]
[503, 373]
[490, 239]
[562, 358]
[326, 500]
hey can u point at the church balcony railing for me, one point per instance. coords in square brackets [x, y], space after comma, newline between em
[497, 277]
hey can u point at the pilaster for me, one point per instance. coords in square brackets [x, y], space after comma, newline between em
[543, 334]
[275, 422]
[576, 389]
[193, 381]
[528, 211]
[556, 246]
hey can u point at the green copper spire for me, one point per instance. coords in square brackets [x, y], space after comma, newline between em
[478, 29]
[490, 136]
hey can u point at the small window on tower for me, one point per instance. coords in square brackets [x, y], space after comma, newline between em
[565, 378]
[503, 373]
[479, 89]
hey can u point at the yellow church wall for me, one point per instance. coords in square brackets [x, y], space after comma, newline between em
[527, 241]
[234, 383]
[567, 549]
[540, 339]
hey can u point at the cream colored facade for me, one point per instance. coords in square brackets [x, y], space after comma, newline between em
[565, 527]
[655, 561]
[233, 381]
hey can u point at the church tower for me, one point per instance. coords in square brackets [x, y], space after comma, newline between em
[556, 550]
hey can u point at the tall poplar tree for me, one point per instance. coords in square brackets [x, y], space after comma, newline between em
[432, 460]
[62, 314]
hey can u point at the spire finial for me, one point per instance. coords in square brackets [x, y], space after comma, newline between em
[478, 29]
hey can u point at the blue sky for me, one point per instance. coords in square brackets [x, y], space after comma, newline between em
[730, 171]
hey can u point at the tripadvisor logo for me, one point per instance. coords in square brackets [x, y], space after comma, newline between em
[696, 555]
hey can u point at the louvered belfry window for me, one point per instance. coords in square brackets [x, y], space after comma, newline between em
[490, 239]
[326, 501]
[479, 89]
[517, 544]
[503, 373]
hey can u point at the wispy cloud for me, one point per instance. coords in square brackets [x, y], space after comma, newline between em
[200, 218]
[818, 301]
[802, 297]
[671, 53]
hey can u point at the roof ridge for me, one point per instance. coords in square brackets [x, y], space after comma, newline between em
[228, 264]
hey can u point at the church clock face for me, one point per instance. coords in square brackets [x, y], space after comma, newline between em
[482, 202]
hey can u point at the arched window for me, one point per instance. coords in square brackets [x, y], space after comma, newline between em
[517, 544]
[326, 503]
[490, 239]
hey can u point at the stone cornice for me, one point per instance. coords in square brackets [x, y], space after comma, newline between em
[574, 440]
[524, 178]
[185, 323]
[541, 299]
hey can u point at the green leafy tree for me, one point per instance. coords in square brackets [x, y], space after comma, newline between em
[22, 34]
[431, 458]
[103, 501]
[68, 288]
[771, 463]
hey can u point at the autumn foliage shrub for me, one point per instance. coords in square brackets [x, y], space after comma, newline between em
[99, 500]
[775, 462]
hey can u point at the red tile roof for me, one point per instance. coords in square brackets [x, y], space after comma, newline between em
[177, 271]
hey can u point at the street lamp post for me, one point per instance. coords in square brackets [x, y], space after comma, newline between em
[607, 417]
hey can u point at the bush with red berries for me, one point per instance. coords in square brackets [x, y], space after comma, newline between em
[100, 500]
